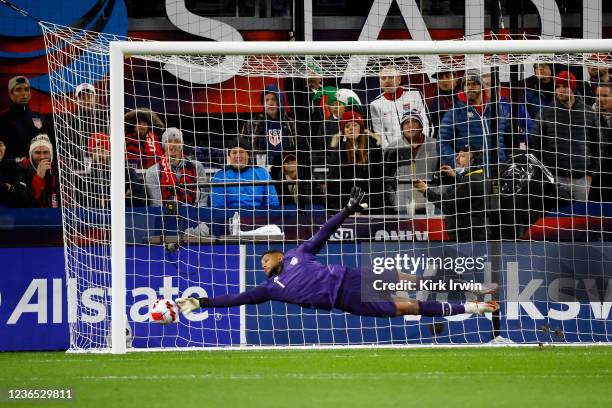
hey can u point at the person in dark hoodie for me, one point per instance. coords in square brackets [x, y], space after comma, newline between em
[252, 197]
[19, 124]
[272, 131]
[566, 137]
[463, 202]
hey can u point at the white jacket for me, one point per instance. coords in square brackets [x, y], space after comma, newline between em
[386, 112]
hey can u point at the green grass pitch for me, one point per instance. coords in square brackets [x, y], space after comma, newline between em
[445, 377]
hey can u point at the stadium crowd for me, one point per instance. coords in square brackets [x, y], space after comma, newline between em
[418, 150]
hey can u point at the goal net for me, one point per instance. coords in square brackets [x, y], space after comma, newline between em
[489, 167]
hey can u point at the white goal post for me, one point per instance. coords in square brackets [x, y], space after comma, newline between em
[121, 49]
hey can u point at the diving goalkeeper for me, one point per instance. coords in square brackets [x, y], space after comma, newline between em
[298, 277]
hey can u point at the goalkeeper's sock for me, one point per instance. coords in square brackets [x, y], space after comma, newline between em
[433, 308]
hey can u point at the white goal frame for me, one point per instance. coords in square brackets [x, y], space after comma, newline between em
[122, 49]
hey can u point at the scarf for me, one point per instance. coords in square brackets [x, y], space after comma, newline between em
[179, 185]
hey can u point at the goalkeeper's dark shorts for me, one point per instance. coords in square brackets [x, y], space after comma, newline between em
[355, 297]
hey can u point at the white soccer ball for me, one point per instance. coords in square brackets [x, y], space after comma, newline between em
[164, 311]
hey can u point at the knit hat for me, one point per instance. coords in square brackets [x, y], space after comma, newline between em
[98, 140]
[172, 132]
[312, 66]
[351, 116]
[327, 92]
[412, 114]
[346, 96]
[568, 78]
[437, 74]
[476, 154]
[239, 142]
[19, 79]
[472, 75]
[84, 87]
[41, 140]
[550, 64]
[599, 58]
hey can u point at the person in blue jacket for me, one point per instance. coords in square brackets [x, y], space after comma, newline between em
[253, 196]
[469, 123]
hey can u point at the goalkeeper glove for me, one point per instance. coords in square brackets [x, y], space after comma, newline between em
[189, 304]
[355, 205]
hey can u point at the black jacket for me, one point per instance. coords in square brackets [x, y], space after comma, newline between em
[567, 140]
[92, 188]
[601, 189]
[464, 206]
[307, 192]
[13, 192]
[41, 192]
[342, 174]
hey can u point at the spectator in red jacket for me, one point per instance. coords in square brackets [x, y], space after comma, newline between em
[142, 145]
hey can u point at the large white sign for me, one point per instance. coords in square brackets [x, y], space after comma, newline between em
[548, 13]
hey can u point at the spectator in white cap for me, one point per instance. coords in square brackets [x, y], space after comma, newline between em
[85, 96]
[19, 124]
[174, 178]
[81, 122]
[413, 157]
[38, 173]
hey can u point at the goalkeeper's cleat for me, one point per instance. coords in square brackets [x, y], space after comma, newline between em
[487, 289]
[187, 305]
[481, 307]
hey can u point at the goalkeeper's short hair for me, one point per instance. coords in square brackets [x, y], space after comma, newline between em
[272, 251]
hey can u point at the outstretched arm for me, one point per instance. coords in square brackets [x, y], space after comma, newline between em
[318, 240]
[253, 296]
